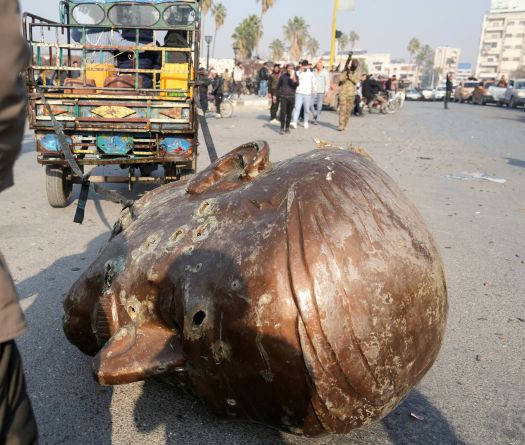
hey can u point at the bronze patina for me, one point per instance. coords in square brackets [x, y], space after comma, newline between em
[308, 294]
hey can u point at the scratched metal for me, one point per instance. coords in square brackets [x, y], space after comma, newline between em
[307, 294]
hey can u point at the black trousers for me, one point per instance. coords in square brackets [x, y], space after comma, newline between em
[17, 422]
[287, 106]
[275, 107]
[448, 95]
[218, 102]
[357, 108]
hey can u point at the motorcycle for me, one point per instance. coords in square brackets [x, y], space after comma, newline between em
[227, 106]
[391, 104]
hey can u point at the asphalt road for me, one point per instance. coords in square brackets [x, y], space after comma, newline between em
[474, 394]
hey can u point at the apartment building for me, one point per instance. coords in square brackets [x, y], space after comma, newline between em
[502, 43]
[446, 59]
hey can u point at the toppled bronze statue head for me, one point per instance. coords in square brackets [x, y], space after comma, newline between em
[307, 295]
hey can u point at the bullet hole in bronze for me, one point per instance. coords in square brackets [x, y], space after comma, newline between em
[236, 285]
[198, 267]
[198, 318]
[132, 313]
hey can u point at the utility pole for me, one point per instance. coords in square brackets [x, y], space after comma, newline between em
[334, 29]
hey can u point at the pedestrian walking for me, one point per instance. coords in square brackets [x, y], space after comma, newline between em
[17, 422]
[449, 90]
[217, 92]
[238, 79]
[287, 87]
[322, 85]
[273, 92]
[263, 78]
[347, 88]
[303, 95]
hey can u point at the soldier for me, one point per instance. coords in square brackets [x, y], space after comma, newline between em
[347, 87]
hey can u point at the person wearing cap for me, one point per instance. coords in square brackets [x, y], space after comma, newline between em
[303, 94]
[17, 422]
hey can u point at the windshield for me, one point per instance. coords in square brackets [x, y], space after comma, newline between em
[179, 15]
[134, 15]
[89, 14]
[471, 84]
[520, 85]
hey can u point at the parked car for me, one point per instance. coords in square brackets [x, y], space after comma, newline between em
[413, 94]
[440, 93]
[482, 94]
[515, 94]
[428, 94]
[464, 90]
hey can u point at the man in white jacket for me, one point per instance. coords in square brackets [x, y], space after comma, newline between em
[303, 95]
[322, 85]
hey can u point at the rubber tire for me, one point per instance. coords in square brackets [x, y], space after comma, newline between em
[226, 109]
[58, 187]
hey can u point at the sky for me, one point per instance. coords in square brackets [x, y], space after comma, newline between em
[384, 26]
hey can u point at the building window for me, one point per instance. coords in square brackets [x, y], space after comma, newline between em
[510, 23]
[520, 35]
[509, 35]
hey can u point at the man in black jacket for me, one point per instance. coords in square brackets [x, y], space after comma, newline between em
[371, 92]
[450, 89]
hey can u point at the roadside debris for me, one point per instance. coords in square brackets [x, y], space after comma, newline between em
[417, 417]
[465, 176]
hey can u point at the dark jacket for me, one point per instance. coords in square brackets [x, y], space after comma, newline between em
[449, 86]
[286, 86]
[217, 87]
[273, 84]
[371, 87]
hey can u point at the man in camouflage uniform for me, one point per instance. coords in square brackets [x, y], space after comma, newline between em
[347, 88]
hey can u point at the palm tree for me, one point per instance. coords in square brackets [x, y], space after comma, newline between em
[354, 37]
[296, 33]
[344, 41]
[218, 11]
[265, 5]
[413, 47]
[313, 47]
[205, 7]
[246, 34]
[451, 61]
[424, 58]
[277, 49]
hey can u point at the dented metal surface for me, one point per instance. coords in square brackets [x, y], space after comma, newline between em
[307, 295]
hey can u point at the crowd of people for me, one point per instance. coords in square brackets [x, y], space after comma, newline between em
[297, 93]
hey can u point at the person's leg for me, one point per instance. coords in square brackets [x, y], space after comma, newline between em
[320, 100]
[307, 105]
[274, 107]
[218, 101]
[357, 107]
[291, 107]
[17, 422]
[343, 111]
[284, 109]
[299, 99]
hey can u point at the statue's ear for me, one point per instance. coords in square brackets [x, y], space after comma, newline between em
[135, 353]
[229, 172]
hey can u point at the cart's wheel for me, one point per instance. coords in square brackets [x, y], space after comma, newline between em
[226, 109]
[58, 186]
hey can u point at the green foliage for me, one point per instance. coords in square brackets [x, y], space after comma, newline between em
[296, 33]
[246, 35]
[277, 49]
[313, 47]
[344, 41]
[354, 37]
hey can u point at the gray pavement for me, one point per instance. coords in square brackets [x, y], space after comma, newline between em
[474, 394]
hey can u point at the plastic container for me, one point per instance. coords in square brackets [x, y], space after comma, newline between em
[174, 76]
